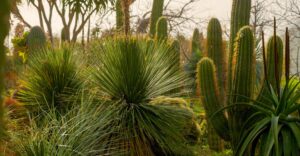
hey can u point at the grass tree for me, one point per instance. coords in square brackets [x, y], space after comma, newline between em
[131, 73]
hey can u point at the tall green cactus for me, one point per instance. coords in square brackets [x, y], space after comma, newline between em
[216, 51]
[162, 29]
[242, 80]
[4, 29]
[36, 39]
[210, 96]
[271, 66]
[196, 47]
[119, 15]
[240, 16]
[175, 47]
[157, 11]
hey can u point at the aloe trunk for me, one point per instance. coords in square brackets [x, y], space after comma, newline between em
[157, 11]
[4, 29]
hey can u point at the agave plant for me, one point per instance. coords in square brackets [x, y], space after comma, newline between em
[51, 78]
[274, 127]
[131, 73]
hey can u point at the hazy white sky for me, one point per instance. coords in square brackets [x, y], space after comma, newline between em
[202, 10]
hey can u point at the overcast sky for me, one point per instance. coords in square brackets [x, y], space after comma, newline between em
[201, 10]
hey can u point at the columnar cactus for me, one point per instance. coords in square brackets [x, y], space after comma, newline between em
[216, 51]
[196, 41]
[4, 29]
[242, 80]
[240, 16]
[119, 15]
[162, 29]
[175, 47]
[65, 35]
[271, 65]
[36, 39]
[157, 11]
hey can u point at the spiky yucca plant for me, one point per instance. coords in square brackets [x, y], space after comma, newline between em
[132, 72]
[51, 78]
[81, 131]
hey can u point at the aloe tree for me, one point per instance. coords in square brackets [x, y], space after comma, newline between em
[131, 73]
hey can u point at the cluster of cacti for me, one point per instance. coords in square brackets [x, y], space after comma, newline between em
[4, 29]
[36, 39]
[237, 89]
[157, 11]
[161, 29]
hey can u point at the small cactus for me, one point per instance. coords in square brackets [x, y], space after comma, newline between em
[36, 39]
[157, 11]
[119, 15]
[162, 29]
[196, 48]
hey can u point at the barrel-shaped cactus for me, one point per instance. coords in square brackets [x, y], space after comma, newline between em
[36, 39]
[157, 11]
[4, 29]
[162, 29]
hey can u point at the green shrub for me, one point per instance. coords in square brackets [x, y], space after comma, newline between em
[51, 78]
[131, 73]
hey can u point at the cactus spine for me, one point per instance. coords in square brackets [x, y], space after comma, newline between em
[157, 10]
[240, 16]
[36, 39]
[119, 15]
[162, 29]
[4, 29]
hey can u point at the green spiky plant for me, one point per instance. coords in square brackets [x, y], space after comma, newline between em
[161, 29]
[52, 77]
[216, 52]
[156, 13]
[274, 126]
[119, 15]
[175, 49]
[4, 29]
[132, 73]
[81, 131]
[36, 39]
[196, 47]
